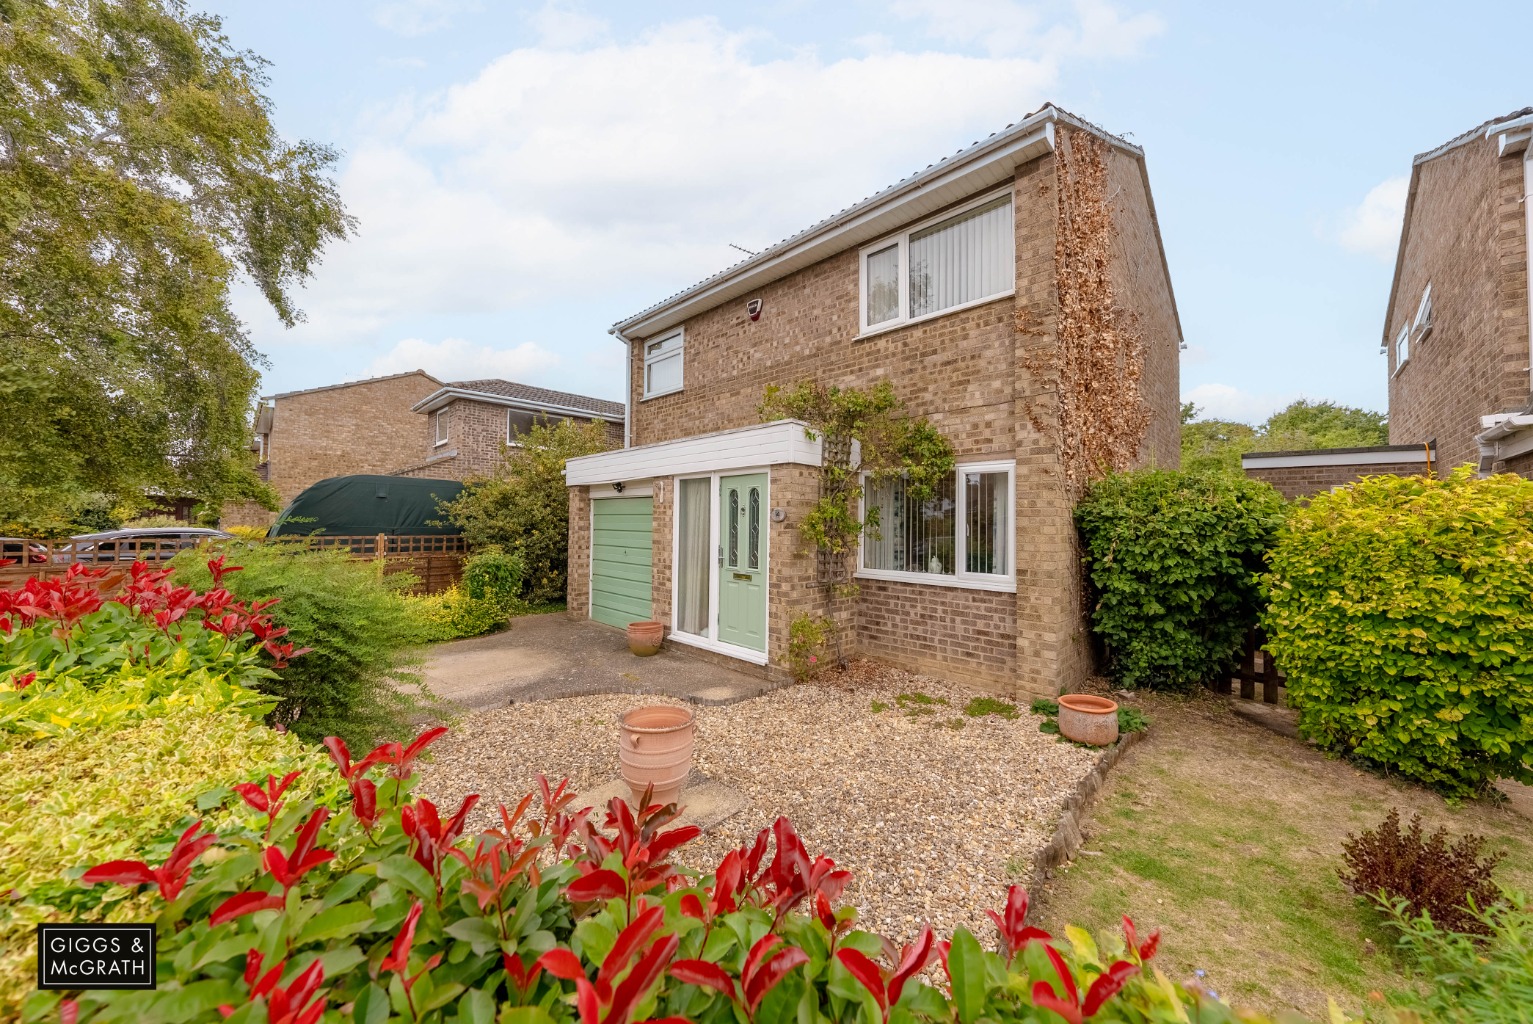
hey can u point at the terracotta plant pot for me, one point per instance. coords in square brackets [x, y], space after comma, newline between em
[644, 637]
[1088, 719]
[655, 748]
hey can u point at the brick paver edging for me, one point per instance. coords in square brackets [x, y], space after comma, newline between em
[1067, 833]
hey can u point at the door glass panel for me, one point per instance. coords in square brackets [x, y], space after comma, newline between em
[692, 544]
[734, 528]
[753, 553]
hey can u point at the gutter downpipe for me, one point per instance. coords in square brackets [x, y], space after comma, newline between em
[627, 385]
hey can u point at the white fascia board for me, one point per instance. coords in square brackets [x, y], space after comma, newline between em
[1255, 460]
[764, 444]
[437, 399]
[880, 215]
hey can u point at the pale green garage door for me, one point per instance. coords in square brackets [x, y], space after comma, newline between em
[622, 569]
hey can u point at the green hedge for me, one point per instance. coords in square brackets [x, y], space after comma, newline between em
[1401, 609]
[1173, 560]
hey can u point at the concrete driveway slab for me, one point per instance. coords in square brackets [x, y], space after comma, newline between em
[546, 656]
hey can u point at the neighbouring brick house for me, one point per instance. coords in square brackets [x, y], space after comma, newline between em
[406, 424]
[303, 437]
[694, 522]
[1305, 473]
[1457, 327]
[468, 423]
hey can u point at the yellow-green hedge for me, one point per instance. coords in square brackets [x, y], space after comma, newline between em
[1401, 609]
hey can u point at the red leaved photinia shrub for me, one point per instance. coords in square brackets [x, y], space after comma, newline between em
[385, 909]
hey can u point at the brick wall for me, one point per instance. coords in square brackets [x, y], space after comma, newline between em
[476, 440]
[578, 593]
[1140, 282]
[1304, 481]
[1468, 238]
[366, 427]
[1522, 465]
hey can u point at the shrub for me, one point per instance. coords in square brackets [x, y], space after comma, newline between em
[1470, 980]
[452, 614]
[1173, 559]
[495, 576]
[381, 908]
[1424, 874]
[1401, 609]
[809, 640]
[524, 508]
[358, 679]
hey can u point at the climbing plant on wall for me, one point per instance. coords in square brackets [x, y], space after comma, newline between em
[1098, 363]
[864, 430]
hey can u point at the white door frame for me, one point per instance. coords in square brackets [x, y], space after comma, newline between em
[711, 642]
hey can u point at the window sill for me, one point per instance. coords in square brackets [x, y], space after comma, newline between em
[894, 325]
[439, 444]
[1398, 368]
[926, 579]
[662, 394]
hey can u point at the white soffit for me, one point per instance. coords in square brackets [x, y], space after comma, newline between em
[1293, 460]
[765, 444]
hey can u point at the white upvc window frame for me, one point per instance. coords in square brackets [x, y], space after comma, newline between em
[902, 240]
[1003, 583]
[1424, 308]
[679, 354]
[441, 422]
[1402, 348]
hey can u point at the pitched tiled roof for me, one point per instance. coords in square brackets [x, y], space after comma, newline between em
[543, 396]
[354, 383]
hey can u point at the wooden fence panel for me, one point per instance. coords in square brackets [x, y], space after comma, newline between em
[1256, 666]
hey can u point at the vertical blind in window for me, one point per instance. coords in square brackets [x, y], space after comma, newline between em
[883, 285]
[960, 260]
[912, 536]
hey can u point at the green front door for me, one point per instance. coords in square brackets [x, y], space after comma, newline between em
[622, 570]
[743, 565]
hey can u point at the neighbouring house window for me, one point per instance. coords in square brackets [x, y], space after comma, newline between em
[693, 539]
[662, 365]
[956, 261]
[963, 532]
[1402, 348]
[442, 419]
[518, 423]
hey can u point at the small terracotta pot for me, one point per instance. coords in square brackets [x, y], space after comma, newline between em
[644, 637]
[655, 746]
[1088, 719]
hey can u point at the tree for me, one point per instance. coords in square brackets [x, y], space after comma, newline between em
[525, 507]
[1217, 445]
[140, 174]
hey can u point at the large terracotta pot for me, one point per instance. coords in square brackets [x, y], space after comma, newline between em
[644, 637]
[655, 748]
[1088, 719]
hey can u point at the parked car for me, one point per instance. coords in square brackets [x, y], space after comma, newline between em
[156, 544]
[20, 549]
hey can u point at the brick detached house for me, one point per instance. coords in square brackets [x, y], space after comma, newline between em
[1457, 327]
[928, 284]
[469, 423]
[406, 424]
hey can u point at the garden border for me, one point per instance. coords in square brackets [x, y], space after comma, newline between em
[1067, 838]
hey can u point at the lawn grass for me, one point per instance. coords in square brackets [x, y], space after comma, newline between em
[1228, 837]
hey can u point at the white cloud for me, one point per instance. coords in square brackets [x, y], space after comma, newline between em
[1098, 28]
[1373, 226]
[419, 17]
[457, 359]
[1223, 402]
[561, 26]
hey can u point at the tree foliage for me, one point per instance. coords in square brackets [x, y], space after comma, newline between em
[140, 174]
[524, 508]
[1302, 425]
[1173, 560]
[1401, 608]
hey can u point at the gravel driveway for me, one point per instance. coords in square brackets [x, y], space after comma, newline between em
[925, 805]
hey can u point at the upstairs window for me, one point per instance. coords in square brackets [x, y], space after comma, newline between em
[1402, 348]
[518, 423]
[956, 261]
[1423, 323]
[662, 365]
[442, 421]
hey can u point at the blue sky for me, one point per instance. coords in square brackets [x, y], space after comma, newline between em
[527, 175]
